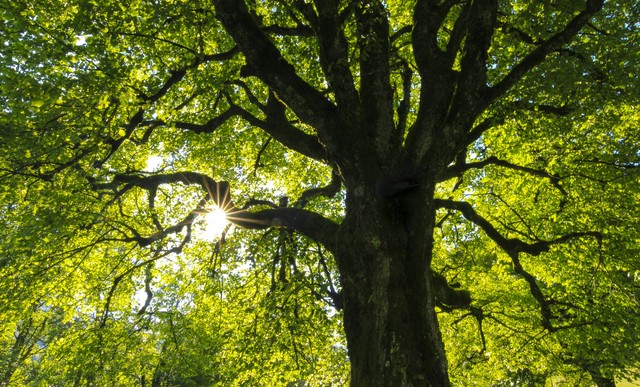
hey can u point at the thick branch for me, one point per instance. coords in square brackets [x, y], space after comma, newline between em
[473, 76]
[478, 130]
[457, 34]
[334, 57]
[400, 32]
[403, 107]
[266, 62]
[276, 126]
[437, 79]
[428, 16]
[448, 298]
[376, 94]
[285, 133]
[212, 125]
[308, 223]
[450, 101]
[216, 190]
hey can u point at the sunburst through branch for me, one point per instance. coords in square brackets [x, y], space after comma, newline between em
[215, 222]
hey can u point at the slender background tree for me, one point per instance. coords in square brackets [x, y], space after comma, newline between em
[418, 193]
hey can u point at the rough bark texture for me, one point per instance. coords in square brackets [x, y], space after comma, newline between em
[392, 115]
[383, 246]
[390, 322]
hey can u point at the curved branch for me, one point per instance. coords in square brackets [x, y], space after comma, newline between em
[539, 54]
[477, 131]
[308, 223]
[513, 247]
[509, 245]
[459, 169]
[458, 33]
[216, 190]
[213, 124]
[265, 61]
[177, 75]
[328, 191]
[138, 118]
[277, 127]
[447, 297]
[163, 233]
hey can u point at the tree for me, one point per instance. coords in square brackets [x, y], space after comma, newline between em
[465, 170]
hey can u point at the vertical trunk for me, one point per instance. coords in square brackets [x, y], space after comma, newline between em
[390, 321]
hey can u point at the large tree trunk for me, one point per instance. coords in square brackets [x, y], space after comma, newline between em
[384, 254]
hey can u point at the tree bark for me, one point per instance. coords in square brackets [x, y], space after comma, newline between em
[383, 246]
[389, 316]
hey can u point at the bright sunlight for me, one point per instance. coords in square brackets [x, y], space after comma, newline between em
[215, 222]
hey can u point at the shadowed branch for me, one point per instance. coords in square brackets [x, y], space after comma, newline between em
[513, 247]
[539, 54]
[306, 222]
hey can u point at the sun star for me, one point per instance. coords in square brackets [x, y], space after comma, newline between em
[215, 221]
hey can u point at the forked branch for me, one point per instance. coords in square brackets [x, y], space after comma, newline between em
[306, 222]
[509, 245]
[265, 61]
[514, 247]
[539, 54]
[458, 169]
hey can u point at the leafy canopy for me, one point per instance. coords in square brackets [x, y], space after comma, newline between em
[120, 120]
